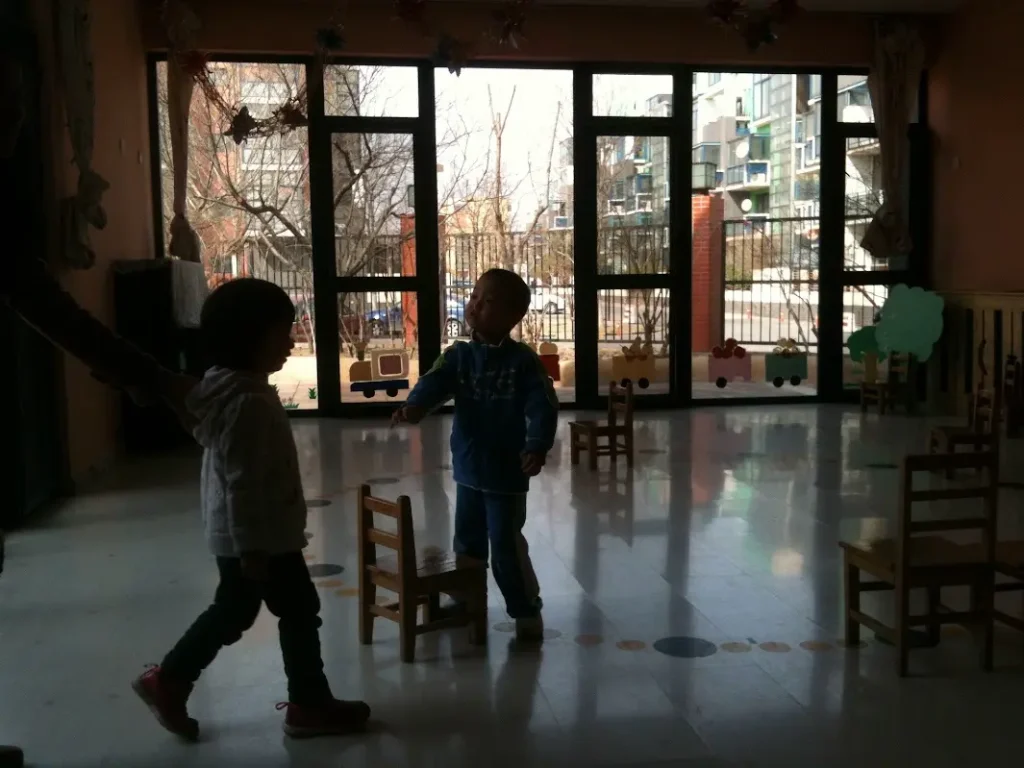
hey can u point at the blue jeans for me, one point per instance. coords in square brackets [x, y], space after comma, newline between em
[499, 517]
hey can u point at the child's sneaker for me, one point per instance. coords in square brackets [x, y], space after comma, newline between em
[335, 718]
[11, 757]
[530, 629]
[167, 699]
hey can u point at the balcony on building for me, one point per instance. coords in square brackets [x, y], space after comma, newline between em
[863, 146]
[749, 163]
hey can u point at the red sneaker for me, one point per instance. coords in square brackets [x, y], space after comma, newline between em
[335, 718]
[166, 699]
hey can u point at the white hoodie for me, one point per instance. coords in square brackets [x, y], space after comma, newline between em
[252, 498]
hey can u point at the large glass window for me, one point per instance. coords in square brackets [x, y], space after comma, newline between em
[250, 203]
[755, 246]
[506, 191]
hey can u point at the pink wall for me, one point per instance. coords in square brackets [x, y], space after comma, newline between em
[121, 156]
[976, 112]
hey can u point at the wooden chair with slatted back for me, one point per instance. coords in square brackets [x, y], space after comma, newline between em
[604, 439]
[895, 389]
[416, 580]
[980, 434]
[912, 560]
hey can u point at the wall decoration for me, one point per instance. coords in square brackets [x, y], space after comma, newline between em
[636, 363]
[727, 363]
[787, 362]
[911, 322]
[386, 371]
[755, 25]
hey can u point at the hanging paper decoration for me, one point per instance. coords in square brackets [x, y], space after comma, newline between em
[451, 53]
[511, 19]
[330, 39]
[84, 209]
[243, 125]
[755, 26]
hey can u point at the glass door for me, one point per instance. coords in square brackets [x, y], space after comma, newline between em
[372, 173]
[628, 234]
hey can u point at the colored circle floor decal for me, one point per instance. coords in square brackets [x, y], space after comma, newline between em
[682, 647]
[588, 641]
[816, 646]
[319, 570]
[631, 645]
[735, 647]
[773, 647]
[382, 481]
[851, 646]
[329, 583]
[314, 503]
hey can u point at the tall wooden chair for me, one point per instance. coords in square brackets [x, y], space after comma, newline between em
[980, 434]
[912, 560]
[604, 439]
[895, 389]
[416, 580]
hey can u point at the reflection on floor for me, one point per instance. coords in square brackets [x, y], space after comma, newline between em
[696, 606]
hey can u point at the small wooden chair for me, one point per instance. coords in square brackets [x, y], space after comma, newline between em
[416, 581]
[896, 389]
[980, 434]
[912, 561]
[603, 439]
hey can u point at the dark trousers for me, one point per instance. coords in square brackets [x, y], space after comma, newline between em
[499, 517]
[289, 594]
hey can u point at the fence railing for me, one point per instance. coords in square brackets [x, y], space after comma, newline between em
[771, 281]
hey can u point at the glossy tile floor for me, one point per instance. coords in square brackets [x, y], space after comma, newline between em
[725, 533]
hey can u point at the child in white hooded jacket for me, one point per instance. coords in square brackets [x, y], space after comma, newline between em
[255, 517]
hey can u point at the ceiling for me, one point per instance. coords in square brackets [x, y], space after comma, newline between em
[863, 6]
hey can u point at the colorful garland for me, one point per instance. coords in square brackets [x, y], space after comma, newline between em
[450, 52]
[756, 26]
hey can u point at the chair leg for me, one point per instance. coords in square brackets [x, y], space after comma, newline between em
[478, 629]
[432, 608]
[592, 450]
[988, 629]
[629, 448]
[902, 631]
[951, 450]
[851, 589]
[407, 625]
[613, 447]
[367, 598]
[934, 628]
[574, 447]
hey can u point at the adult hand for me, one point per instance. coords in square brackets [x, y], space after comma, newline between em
[533, 463]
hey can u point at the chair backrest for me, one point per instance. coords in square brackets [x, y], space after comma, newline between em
[620, 405]
[402, 541]
[899, 368]
[985, 417]
[984, 467]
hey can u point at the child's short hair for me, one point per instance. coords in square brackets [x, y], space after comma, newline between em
[237, 317]
[511, 286]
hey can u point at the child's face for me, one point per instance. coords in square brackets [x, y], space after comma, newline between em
[488, 312]
[276, 349]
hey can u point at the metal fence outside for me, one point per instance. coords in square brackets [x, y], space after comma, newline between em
[770, 269]
[543, 259]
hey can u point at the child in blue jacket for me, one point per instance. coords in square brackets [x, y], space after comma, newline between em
[505, 420]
